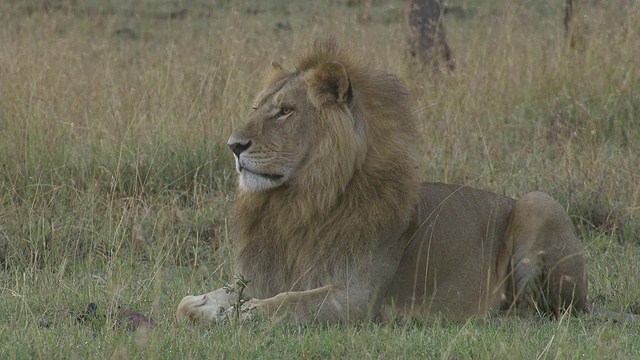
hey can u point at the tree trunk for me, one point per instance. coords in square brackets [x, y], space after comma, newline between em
[568, 19]
[426, 33]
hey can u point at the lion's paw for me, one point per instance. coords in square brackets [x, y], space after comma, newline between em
[200, 309]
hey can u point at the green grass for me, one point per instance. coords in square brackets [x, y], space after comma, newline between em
[115, 180]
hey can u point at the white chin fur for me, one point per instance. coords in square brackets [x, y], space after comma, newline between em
[254, 182]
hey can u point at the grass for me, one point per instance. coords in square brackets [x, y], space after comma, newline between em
[115, 180]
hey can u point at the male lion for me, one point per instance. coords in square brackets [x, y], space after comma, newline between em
[332, 224]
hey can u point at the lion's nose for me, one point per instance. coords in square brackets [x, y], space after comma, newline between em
[238, 147]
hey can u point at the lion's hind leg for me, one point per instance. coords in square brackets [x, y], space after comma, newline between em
[547, 268]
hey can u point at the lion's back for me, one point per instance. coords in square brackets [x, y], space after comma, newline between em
[452, 248]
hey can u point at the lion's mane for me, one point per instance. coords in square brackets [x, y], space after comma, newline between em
[361, 180]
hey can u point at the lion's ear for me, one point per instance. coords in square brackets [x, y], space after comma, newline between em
[277, 66]
[275, 74]
[331, 78]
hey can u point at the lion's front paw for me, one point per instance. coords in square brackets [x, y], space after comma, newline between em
[200, 309]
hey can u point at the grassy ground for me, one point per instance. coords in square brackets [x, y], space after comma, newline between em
[115, 181]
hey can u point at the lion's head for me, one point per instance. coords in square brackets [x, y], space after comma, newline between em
[311, 128]
[329, 152]
[301, 131]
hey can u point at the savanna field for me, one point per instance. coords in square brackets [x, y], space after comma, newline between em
[116, 181]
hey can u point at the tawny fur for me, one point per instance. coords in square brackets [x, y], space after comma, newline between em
[331, 223]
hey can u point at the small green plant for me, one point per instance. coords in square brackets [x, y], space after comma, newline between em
[237, 287]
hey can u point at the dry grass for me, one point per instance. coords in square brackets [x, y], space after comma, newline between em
[115, 179]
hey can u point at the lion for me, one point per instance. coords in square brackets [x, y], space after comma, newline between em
[332, 223]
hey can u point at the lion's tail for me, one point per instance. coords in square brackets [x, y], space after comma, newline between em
[614, 316]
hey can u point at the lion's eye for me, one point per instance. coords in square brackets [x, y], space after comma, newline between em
[285, 110]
